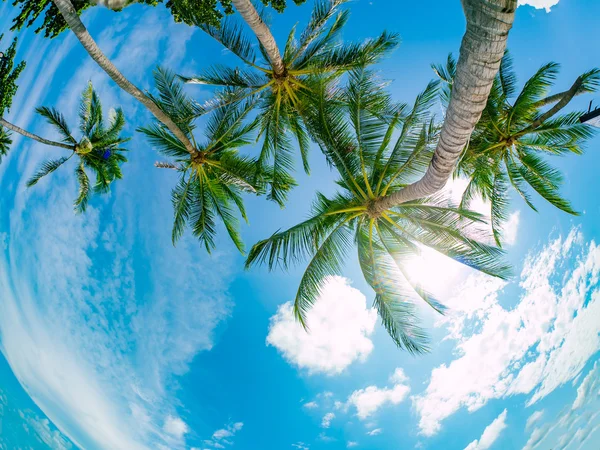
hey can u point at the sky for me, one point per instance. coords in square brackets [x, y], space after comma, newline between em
[111, 338]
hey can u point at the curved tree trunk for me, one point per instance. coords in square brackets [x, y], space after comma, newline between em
[35, 137]
[481, 51]
[70, 15]
[262, 32]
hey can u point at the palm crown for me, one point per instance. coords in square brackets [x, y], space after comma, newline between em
[282, 98]
[377, 148]
[513, 137]
[97, 151]
[213, 178]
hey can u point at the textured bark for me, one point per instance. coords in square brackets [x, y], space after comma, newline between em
[481, 51]
[35, 137]
[262, 32]
[68, 12]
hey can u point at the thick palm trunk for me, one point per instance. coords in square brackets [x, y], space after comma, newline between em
[481, 51]
[262, 32]
[70, 15]
[35, 137]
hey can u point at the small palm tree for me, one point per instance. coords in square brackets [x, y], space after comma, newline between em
[97, 151]
[377, 149]
[9, 74]
[284, 85]
[515, 134]
[213, 178]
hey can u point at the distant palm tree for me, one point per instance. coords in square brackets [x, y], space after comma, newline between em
[98, 150]
[377, 148]
[285, 84]
[213, 178]
[9, 74]
[510, 142]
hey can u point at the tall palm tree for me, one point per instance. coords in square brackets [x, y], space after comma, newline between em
[357, 128]
[285, 84]
[515, 134]
[213, 178]
[481, 50]
[71, 16]
[98, 150]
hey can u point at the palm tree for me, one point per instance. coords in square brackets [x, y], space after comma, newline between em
[97, 151]
[515, 134]
[71, 16]
[357, 128]
[285, 84]
[483, 44]
[9, 73]
[213, 178]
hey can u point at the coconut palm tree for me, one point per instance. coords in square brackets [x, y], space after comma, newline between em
[9, 73]
[98, 150]
[515, 135]
[377, 149]
[285, 84]
[213, 178]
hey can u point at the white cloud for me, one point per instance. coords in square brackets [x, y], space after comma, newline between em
[534, 418]
[351, 444]
[589, 386]
[539, 4]
[490, 434]
[374, 432]
[340, 324]
[510, 228]
[175, 427]
[223, 436]
[311, 405]
[367, 401]
[96, 351]
[301, 446]
[43, 431]
[535, 347]
[327, 418]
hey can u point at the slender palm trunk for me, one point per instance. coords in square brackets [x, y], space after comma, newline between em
[35, 137]
[481, 51]
[70, 15]
[262, 32]
[562, 100]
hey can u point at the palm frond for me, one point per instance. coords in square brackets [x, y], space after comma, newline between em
[46, 169]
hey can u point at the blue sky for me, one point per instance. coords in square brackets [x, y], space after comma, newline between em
[114, 339]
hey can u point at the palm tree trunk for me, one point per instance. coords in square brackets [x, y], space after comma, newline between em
[35, 137]
[70, 15]
[481, 51]
[262, 32]
[562, 99]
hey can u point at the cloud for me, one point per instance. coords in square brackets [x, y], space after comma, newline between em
[510, 228]
[301, 446]
[589, 386]
[490, 434]
[43, 431]
[223, 436]
[327, 418]
[538, 345]
[340, 324]
[374, 432]
[100, 314]
[175, 427]
[534, 418]
[311, 405]
[351, 444]
[368, 401]
[539, 4]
